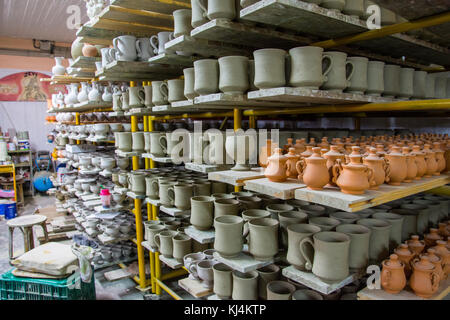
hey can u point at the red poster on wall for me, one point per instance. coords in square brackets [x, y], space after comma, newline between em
[27, 86]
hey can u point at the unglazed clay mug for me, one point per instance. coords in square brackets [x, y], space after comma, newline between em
[245, 285]
[379, 238]
[160, 93]
[280, 290]
[158, 147]
[419, 84]
[309, 67]
[166, 200]
[152, 230]
[137, 141]
[152, 188]
[181, 195]
[289, 218]
[358, 83]
[199, 12]
[125, 47]
[341, 72]
[263, 238]
[175, 90]
[296, 233]
[182, 245]
[223, 280]
[330, 259]
[359, 245]
[270, 67]
[164, 242]
[266, 275]
[148, 90]
[219, 9]
[189, 82]
[224, 207]
[182, 22]
[391, 80]
[228, 239]
[202, 212]
[233, 71]
[136, 97]
[204, 271]
[144, 49]
[136, 181]
[406, 83]
[158, 42]
[375, 78]
[206, 76]
[125, 141]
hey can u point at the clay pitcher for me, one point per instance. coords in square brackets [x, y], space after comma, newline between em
[436, 260]
[431, 238]
[355, 177]
[393, 278]
[379, 166]
[397, 166]
[420, 162]
[300, 146]
[293, 158]
[308, 152]
[411, 166]
[313, 170]
[416, 245]
[424, 279]
[290, 144]
[276, 169]
[430, 159]
[444, 253]
[405, 255]
[441, 163]
[266, 152]
[331, 157]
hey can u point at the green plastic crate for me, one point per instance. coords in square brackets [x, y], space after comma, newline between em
[71, 288]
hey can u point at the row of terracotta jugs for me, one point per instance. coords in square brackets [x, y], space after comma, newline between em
[424, 270]
[354, 173]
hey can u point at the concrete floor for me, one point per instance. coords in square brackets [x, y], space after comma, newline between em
[124, 289]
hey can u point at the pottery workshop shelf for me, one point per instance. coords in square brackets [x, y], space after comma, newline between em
[162, 6]
[405, 294]
[236, 178]
[332, 197]
[313, 20]
[282, 190]
[82, 73]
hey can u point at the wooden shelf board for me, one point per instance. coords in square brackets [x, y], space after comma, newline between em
[173, 59]
[236, 178]
[162, 6]
[244, 262]
[204, 168]
[200, 236]
[161, 21]
[237, 100]
[85, 62]
[86, 106]
[333, 197]
[194, 287]
[200, 106]
[282, 190]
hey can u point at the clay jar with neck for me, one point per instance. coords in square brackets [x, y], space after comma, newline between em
[424, 279]
[411, 166]
[354, 177]
[300, 146]
[266, 152]
[430, 159]
[313, 170]
[379, 166]
[441, 163]
[420, 162]
[405, 255]
[393, 278]
[293, 158]
[276, 168]
[397, 166]
[331, 157]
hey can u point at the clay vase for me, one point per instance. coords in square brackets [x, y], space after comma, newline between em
[393, 278]
[313, 170]
[354, 177]
[293, 158]
[265, 153]
[431, 238]
[430, 159]
[444, 253]
[411, 166]
[331, 157]
[397, 166]
[420, 162]
[416, 245]
[359, 245]
[276, 168]
[381, 173]
[405, 255]
[379, 238]
[441, 163]
[296, 233]
[424, 279]
[436, 260]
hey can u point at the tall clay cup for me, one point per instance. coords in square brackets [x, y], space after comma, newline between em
[359, 245]
[202, 212]
[229, 235]
[223, 281]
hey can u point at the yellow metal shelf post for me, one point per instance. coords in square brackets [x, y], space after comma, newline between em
[237, 120]
[77, 122]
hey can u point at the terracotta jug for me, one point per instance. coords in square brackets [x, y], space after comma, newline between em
[381, 173]
[436, 260]
[290, 144]
[313, 170]
[430, 159]
[431, 238]
[441, 163]
[312, 142]
[397, 166]
[355, 177]
[405, 255]
[416, 245]
[299, 146]
[420, 161]
[424, 279]
[276, 168]
[411, 166]
[444, 253]
[393, 278]
[293, 158]
[444, 231]
[331, 157]
[380, 150]
[266, 152]
[308, 152]
[324, 144]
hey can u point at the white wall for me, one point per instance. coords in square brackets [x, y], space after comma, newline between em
[26, 116]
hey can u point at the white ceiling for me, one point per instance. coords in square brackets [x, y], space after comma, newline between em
[38, 19]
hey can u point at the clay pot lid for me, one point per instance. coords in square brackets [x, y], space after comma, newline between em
[292, 153]
[415, 241]
[433, 234]
[393, 262]
[431, 254]
[334, 151]
[396, 151]
[403, 250]
[316, 153]
[278, 155]
[423, 264]
[372, 155]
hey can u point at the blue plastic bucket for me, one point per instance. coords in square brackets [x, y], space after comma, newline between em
[3, 207]
[11, 211]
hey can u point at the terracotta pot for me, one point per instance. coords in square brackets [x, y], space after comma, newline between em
[393, 278]
[431, 238]
[290, 144]
[300, 146]
[405, 255]
[381, 173]
[444, 230]
[331, 157]
[441, 163]
[293, 158]
[89, 50]
[265, 153]
[313, 170]
[276, 169]
[355, 177]
[397, 166]
[411, 166]
[444, 253]
[436, 260]
[420, 162]
[308, 152]
[416, 245]
[424, 279]
[430, 159]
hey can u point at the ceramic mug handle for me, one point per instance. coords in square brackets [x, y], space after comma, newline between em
[154, 45]
[164, 90]
[202, 7]
[171, 194]
[300, 166]
[163, 145]
[245, 230]
[193, 270]
[116, 45]
[138, 47]
[309, 263]
[327, 63]
[141, 95]
[349, 71]
[171, 37]
[157, 240]
[155, 186]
